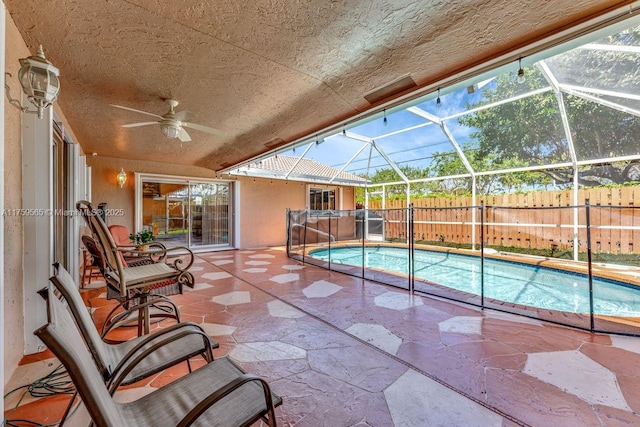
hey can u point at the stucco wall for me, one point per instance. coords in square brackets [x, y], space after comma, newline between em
[104, 187]
[15, 48]
[262, 203]
[263, 208]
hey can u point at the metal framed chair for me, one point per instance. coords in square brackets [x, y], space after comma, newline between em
[90, 269]
[161, 307]
[138, 281]
[218, 394]
[113, 358]
[130, 361]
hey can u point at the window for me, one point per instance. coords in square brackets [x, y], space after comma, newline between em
[322, 199]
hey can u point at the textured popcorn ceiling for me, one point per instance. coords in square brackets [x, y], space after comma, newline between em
[262, 69]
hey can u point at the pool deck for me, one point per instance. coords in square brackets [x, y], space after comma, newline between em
[344, 351]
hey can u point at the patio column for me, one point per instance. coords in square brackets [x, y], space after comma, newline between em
[2, 78]
[37, 225]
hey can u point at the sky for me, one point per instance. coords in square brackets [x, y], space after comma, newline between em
[416, 147]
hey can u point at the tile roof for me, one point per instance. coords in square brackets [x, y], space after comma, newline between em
[306, 167]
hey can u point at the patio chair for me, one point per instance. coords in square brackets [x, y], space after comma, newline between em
[136, 359]
[137, 281]
[90, 264]
[120, 235]
[161, 307]
[113, 358]
[218, 394]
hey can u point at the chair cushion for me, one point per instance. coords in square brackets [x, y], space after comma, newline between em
[145, 274]
[120, 235]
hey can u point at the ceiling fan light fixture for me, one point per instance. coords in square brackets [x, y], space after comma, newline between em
[172, 124]
[170, 130]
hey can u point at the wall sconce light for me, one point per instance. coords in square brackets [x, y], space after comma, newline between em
[121, 177]
[39, 80]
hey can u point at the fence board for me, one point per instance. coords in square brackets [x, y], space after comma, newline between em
[602, 200]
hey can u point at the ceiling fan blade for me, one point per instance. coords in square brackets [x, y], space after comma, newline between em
[183, 136]
[135, 125]
[204, 128]
[136, 111]
[184, 115]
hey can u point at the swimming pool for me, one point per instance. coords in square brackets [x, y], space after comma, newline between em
[519, 283]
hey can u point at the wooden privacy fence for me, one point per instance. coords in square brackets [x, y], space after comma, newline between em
[548, 222]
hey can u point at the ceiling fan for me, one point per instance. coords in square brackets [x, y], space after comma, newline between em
[172, 124]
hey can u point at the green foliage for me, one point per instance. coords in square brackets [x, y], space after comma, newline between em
[531, 128]
[530, 131]
[142, 237]
[396, 191]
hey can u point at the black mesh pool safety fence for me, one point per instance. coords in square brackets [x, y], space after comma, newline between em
[570, 265]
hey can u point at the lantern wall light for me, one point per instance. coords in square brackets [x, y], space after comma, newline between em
[39, 80]
[121, 177]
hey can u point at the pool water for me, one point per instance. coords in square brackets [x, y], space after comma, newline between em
[507, 281]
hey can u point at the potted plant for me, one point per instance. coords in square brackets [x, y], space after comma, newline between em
[142, 239]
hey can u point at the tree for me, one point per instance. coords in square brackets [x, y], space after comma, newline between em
[530, 129]
[449, 163]
[396, 191]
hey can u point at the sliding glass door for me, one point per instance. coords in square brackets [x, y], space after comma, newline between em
[184, 212]
[209, 214]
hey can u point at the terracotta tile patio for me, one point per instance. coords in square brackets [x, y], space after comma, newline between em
[342, 351]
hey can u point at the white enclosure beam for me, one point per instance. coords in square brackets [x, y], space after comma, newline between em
[572, 151]
[601, 101]
[349, 162]
[425, 115]
[625, 95]
[297, 162]
[474, 221]
[611, 48]
[497, 103]
[458, 149]
[410, 128]
[357, 137]
[526, 169]
[393, 164]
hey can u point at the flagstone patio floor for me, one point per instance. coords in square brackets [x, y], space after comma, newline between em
[343, 351]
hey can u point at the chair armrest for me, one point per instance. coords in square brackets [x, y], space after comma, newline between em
[207, 402]
[178, 253]
[159, 253]
[156, 252]
[153, 244]
[126, 247]
[125, 367]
